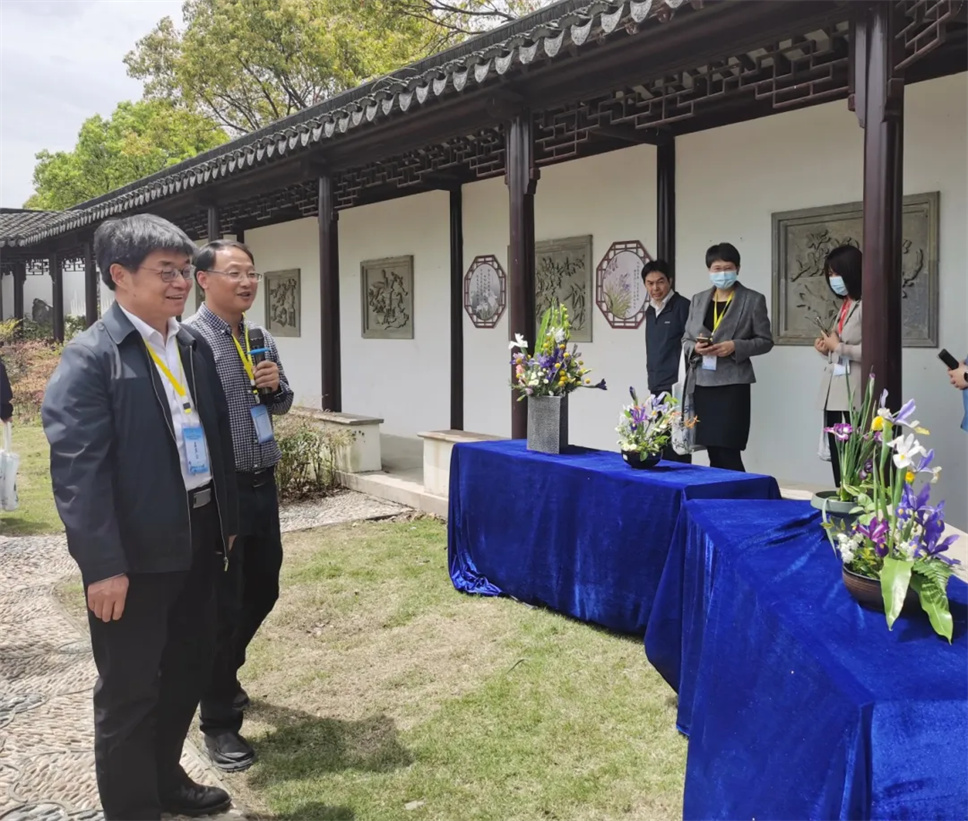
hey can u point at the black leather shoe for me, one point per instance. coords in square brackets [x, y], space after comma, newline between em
[230, 752]
[241, 700]
[196, 800]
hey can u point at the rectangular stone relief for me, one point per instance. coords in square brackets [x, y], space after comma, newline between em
[801, 241]
[282, 302]
[386, 287]
[564, 273]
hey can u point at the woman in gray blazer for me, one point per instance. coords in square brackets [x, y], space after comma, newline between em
[727, 326]
[841, 383]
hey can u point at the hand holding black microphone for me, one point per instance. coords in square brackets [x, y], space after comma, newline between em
[266, 371]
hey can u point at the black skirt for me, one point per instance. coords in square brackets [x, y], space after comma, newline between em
[724, 416]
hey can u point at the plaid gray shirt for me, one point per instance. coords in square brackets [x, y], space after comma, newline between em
[249, 454]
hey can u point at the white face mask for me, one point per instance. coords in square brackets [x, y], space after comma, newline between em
[837, 285]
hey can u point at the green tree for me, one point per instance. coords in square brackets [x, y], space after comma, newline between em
[248, 63]
[139, 139]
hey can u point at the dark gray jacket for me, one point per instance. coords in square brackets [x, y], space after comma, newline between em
[113, 460]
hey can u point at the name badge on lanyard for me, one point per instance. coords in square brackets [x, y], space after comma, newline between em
[259, 412]
[193, 437]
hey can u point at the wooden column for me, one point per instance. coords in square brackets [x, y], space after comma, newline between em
[329, 331]
[665, 187]
[19, 278]
[214, 229]
[57, 300]
[240, 235]
[90, 286]
[521, 178]
[457, 309]
[879, 104]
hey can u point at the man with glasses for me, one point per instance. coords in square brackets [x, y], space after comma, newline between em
[256, 391]
[144, 480]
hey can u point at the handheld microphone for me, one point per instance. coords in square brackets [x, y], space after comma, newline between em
[258, 354]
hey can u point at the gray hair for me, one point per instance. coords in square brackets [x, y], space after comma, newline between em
[129, 240]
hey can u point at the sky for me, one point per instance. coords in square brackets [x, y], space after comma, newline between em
[60, 63]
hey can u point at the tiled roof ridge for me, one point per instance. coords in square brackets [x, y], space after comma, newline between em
[367, 103]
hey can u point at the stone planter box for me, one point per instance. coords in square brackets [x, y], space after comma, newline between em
[363, 456]
[437, 447]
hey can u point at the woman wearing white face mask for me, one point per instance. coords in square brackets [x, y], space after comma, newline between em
[841, 383]
[727, 325]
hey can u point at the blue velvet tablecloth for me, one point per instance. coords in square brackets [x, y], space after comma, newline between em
[802, 704]
[582, 533]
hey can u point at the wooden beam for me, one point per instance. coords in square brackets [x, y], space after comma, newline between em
[19, 278]
[57, 299]
[90, 286]
[883, 97]
[329, 331]
[665, 187]
[214, 228]
[626, 134]
[521, 178]
[456, 309]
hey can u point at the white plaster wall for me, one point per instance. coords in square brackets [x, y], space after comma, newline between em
[293, 245]
[403, 381]
[611, 197]
[730, 180]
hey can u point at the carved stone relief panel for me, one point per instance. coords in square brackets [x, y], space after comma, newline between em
[801, 241]
[283, 302]
[387, 298]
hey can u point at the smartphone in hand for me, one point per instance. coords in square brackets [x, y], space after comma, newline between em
[948, 359]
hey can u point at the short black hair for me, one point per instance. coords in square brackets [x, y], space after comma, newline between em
[659, 266]
[847, 262]
[205, 256]
[722, 252]
[129, 240]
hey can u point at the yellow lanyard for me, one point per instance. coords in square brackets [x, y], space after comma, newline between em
[717, 316]
[175, 383]
[245, 355]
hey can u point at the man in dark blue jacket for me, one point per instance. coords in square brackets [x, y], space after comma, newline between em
[144, 480]
[665, 323]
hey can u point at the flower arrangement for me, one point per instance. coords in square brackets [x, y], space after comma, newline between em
[856, 442]
[552, 370]
[646, 427]
[897, 538]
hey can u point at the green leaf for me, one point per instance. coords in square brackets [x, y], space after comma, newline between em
[934, 602]
[895, 578]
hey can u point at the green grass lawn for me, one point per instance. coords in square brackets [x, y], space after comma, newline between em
[36, 514]
[381, 693]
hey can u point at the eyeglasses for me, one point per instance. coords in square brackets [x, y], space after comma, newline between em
[237, 276]
[171, 274]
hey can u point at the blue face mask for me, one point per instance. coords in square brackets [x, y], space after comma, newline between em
[837, 285]
[723, 279]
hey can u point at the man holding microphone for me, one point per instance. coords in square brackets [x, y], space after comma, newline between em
[255, 386]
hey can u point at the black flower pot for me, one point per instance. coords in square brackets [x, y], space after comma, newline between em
[641, 461]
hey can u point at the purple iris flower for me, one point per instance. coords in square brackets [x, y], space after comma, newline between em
[841, 431]
[876, 532]
[601, 386]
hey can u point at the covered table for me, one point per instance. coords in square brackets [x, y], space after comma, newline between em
[582, 532]
[804, 705]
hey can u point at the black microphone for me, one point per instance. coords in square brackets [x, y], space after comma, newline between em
[258, 353]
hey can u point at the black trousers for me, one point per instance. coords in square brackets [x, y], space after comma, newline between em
[832, 418]
[152, 666]
[726, 458]
[247, 592]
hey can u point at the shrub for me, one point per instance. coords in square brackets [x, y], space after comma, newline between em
[30, 364]
[309, 457]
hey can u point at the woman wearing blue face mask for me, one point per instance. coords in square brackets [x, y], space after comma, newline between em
[727, 326]
[841, 382]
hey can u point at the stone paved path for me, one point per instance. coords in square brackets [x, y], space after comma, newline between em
[47, 673]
